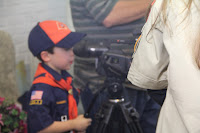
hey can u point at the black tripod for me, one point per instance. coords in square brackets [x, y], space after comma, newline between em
[116, 115]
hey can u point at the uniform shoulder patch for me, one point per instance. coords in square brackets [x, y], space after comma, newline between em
[61, 102]
[35, 102]
[149, 9]
[153, 2]
[137, 43]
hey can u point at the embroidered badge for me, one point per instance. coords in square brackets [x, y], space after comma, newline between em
[61, 102]
[36, 95]
[64, 118]
[153, 2]
[61, 26]
[35, 102]
[70, 91]
[149, 10]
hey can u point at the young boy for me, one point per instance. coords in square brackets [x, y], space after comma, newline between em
[53, 100]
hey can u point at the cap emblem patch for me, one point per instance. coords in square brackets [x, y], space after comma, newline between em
[61, 26]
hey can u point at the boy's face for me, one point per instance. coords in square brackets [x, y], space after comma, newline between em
[61, 59]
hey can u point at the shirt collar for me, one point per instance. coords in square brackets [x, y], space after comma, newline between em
[55, 74]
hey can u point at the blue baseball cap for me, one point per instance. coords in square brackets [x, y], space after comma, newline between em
[51, 33]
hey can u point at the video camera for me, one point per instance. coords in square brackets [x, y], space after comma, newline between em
[113, 61]
[112, 57]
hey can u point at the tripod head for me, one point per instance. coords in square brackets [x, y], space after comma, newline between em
[114, 65]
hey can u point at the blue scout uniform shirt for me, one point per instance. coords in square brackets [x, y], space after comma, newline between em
[51, 104]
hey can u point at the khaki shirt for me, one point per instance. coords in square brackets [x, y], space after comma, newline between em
[164, 58]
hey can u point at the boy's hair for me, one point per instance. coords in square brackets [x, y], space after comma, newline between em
[49, 50]
[51, 33]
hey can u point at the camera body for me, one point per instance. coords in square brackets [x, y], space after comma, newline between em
[113, 58]
[112, 61]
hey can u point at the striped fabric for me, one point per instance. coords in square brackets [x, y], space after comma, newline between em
[88, 16]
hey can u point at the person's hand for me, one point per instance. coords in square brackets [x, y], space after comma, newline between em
[81, 123]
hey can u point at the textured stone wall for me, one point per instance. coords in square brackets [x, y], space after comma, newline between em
[8, 87]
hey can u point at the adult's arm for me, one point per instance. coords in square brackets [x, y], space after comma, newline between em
[116, 12]
[126, 11]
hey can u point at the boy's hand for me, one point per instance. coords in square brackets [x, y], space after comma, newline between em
[81, 123]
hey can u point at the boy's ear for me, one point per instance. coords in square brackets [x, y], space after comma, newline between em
[45, 56]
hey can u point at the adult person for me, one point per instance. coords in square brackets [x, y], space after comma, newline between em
[169, 55]
[104, 22]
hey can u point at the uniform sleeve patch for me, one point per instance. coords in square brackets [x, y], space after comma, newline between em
[61, 102]
[35, 102]
[64, 118]
[153, 2]
[36, 95]
[137, 43]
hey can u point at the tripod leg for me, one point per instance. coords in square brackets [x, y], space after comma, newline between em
[102, 118]
[131, 117]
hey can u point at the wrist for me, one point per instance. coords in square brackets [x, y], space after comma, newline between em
[72, 124]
